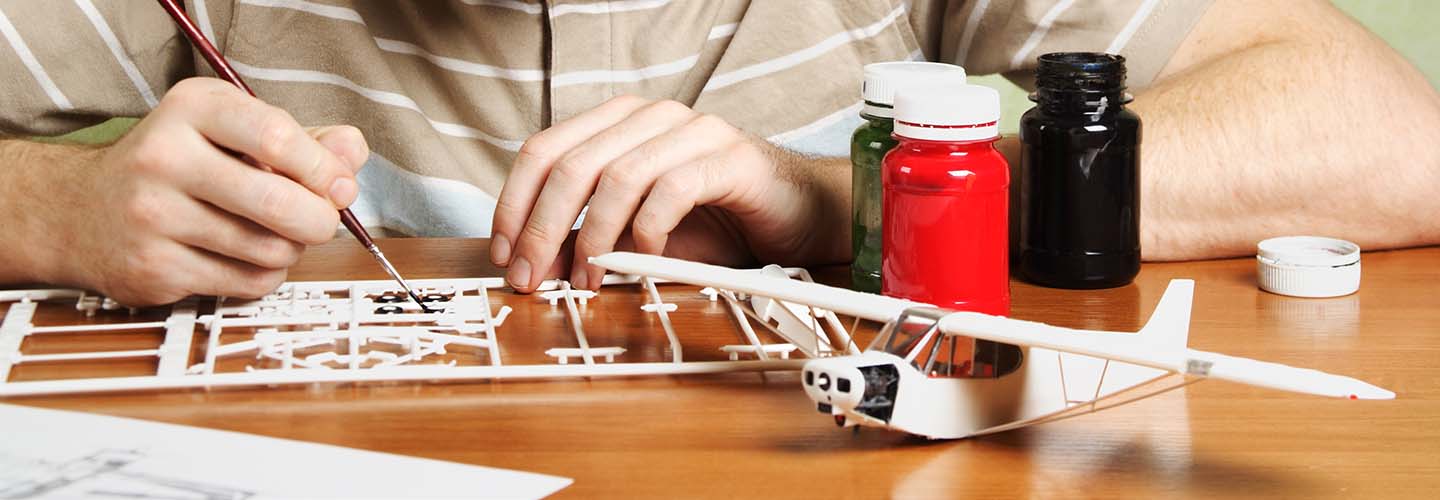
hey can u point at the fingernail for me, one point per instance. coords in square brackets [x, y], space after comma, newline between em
[578, 278]
[343, 191]
[598, 278]
[499, 249]
[519, 276]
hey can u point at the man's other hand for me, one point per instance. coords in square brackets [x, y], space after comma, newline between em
[660, 177]
[168, 211]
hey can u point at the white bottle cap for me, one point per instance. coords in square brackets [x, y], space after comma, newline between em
[882, 80]
[1308, 266]
[951, 113]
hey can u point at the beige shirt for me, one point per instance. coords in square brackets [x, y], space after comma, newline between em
[447, 90]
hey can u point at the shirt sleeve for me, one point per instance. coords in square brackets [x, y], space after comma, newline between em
[68, 65]
[1006, 36]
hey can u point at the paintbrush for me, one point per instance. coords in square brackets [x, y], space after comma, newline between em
[217, 62]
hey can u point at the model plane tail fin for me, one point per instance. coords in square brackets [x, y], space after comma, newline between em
[1169, 325]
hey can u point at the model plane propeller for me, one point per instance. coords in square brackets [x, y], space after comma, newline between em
[947, 374]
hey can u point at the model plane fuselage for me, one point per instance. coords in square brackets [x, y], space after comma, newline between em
[880, 389]
[918, 379]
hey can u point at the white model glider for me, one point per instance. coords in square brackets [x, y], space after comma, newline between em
[927, 375]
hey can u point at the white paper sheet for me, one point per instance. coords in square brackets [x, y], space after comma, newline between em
[58, 454]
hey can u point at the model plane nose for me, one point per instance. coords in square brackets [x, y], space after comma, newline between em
[834, 387]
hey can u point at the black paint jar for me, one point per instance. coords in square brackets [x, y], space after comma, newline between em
[1080, 175]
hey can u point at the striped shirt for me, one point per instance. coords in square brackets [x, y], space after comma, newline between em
[446, 91]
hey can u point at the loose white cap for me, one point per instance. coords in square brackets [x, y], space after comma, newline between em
[952, 113]
[883, 79]
[1308, 266]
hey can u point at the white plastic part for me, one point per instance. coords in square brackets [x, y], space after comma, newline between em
[957, 113]
[882, 80]
[1160, 345]
[562, 355]
[1308, 266]
[554, 296]
[763, 351]
[308, 332]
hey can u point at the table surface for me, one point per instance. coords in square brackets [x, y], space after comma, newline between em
[757, 435]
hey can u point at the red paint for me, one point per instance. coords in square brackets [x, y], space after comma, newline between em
[945, 224]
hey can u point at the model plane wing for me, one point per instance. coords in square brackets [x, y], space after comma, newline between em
[1161, 344]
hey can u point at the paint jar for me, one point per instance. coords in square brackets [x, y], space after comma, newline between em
[868, 145]
[946, 201]
[1080, 175]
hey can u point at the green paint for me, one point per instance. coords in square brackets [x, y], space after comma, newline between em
[867, 148]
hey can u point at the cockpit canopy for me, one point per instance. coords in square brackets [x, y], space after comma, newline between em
[916, 338]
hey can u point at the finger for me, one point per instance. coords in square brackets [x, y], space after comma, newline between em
[346, 142]
[533, 163]
[213, 274]
[272, 201]
[675, 194]
[231, 236]
[625, 182]
[573, 179]
[229, 117]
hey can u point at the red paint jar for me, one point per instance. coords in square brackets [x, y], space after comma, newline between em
[945, 219]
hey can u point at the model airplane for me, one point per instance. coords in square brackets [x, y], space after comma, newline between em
[945, 374]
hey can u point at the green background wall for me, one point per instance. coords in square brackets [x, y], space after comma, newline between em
[1407, 25]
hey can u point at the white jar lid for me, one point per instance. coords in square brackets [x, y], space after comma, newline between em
[882, 80]
[1308, 266]
[955, 113]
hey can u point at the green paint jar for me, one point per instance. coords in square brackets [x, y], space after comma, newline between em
[868, 146]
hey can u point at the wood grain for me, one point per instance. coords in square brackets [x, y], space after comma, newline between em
[756, 435]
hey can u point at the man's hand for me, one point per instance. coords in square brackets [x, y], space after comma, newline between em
[662, 178]
[166, 212]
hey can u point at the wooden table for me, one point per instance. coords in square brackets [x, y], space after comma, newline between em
[756, 435]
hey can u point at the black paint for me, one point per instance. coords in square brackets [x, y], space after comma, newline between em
[1080, 175]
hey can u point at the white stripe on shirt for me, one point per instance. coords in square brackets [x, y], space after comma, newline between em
[37, 71]
[460, 65]
[972, 24]
[722, 31]
[379, 96]
[1041, 29]
[811, 127]
[526, 7]
[1131, 27]
[628, 75]
[605, 7]
[801, 56]
[571, 8]
[319, 9]
[202, 16]
[118, 51]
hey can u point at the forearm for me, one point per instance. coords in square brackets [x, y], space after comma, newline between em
[34, 179]
[1330, 136]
